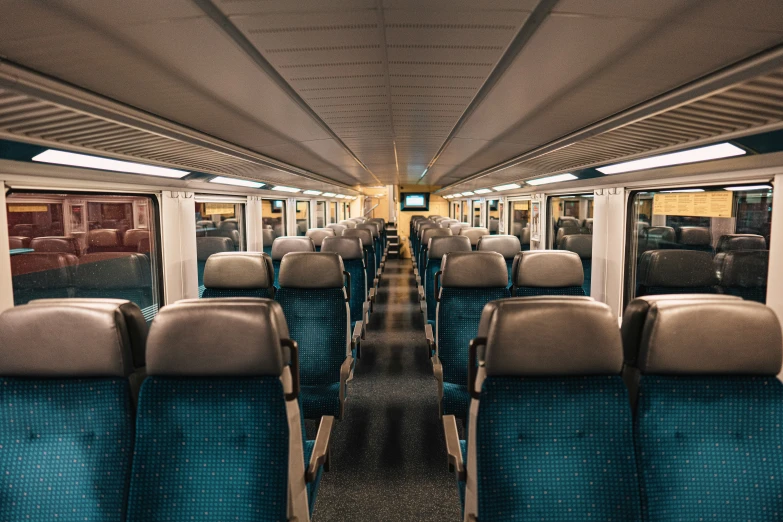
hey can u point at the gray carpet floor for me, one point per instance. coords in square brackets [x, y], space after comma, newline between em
[388, 453]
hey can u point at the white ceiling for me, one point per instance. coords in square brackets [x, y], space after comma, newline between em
[390, 78]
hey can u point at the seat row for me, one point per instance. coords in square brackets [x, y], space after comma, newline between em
[553, 432]
[215, 431]
[98, 240]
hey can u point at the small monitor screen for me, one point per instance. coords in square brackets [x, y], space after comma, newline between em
[278, 204]
[415, 201]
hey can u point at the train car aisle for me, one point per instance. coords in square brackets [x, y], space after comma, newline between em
[388, 455]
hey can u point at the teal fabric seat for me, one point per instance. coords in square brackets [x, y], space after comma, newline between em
[351, 252]
[507, 246]
[469, 281]
[582, 245]
[239, 274]
[318, 235]
[368, 244]
[66, 420]
[550, 428]
[537, 273]
[707, 424]
[205, 247]
[219, 429]
[423, 260]
[313, 299]
[114, 275]
[284, 245]
[439, 246]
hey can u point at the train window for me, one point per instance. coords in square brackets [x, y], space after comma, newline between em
[78, 245]
[273, 216]
[494, 208]
[302, 217]
[320, 214]
[518, 220]
[699, 240]
[464, 205]
[569, 215]
[476, 213]
[220, 227]
[333, 212]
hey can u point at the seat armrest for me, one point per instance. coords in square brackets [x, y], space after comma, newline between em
[452, 446]
[365, 318]
[345, 372]
[356, 337]
[437, 372]
[372, 298]
[430, 338]
[321, 448]
[422, 295]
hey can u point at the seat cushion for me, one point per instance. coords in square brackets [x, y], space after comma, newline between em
[320, 400]
[312, 487]
[235, 292]
[456, 399]
[529, 291]
[65, 449]
[710, 447]
[556, 449]
[217, 446]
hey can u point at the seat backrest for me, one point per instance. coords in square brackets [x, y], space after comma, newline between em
[426, 235]
[569, 228]
[64, 385]
[351, 252]
[368, 243]
[567, 221]
[15, 242]
[439, 246]
[338, 229]
[287, 244]
[372, 227]
[348, 223]
[469, 281]
[239, 274]
[731, 242]
[221, 383]
[675, 272]
[312, 294]
[133, 237]
[42, 275]
[103, 240]
[582, 245]
[744, 273]
[229, 224]
[318, 235]
[474, 234]
[550, 415]
[116, 275]
[707, 422]
[695, 238]
[547, 273]
[63, 244]
[446, 223]
[507, 246]
[455, 227]
[268, 237]
[205, 247]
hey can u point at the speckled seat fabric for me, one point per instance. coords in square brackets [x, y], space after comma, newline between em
[707, 422]
[239, 274]
[550, 430]
[66, 408]
[547, 273]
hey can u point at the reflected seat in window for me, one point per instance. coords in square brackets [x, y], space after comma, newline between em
[117, 275]
[744, 273]
[62, 244]
[42, 276]
[676, 272]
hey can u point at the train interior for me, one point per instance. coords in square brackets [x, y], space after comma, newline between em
[353, 260]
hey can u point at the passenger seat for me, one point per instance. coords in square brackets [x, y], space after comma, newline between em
[61, 244]
[103, 240]
[286, 244]
[115, 275]
[696, 238]
[744, 273]
[268, 237]
[318, 235]
[550, 431]
[42, 276]
[547, 273]
[468, 281]
[474, 234]
[675, 272]
[239, 274]
[351, 252]
[205, 247]
[66, 441]
[439, 246]
[219, 431]
[506, 246]
[582, 245]
[707, 426]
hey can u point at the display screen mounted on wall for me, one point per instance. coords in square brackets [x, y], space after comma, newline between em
[415, 201]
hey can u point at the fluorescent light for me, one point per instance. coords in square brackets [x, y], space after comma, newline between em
[748, 187]
[312, 192]
[681, 190]
[59, 157]
[711, 152]
[551, 179]
[328, 194]
[509, 186]
[482, 191]
[467, 193]
[285, 189]
[446, 197]
[341, 196]
[238, 182]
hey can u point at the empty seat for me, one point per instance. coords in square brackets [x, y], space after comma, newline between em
[205, 247]
[25, 229]
[456, 227]
[66, 440]
[468, 281]
[239, 274]
[547, 272]
[115, 275]
[318, 235]
[744, 273]
[474, 234]
[286, 244]
[62, 244]
[675, 272]
[426, 235]
[376, 238]
[582, 245]
[523, 233]
[103, 240]
[268, 237]
[421, 226]
[351, 252]
[506, 246]
[732, 242]
[16, 242]
[550, 430]
[369, 252]
[382, 229]
[338, 229]
[133, 237]
[567, 229]
[695, 238]
[229, 224]
[219, 431]
[494, 225]
[42, 276]
[588, 224]
[439, 246]
[657, 238]
[348, 223]
[313, 297]
[446, 223]
[708, 416]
